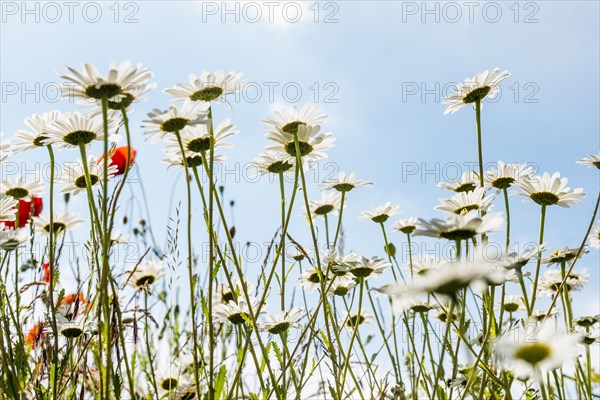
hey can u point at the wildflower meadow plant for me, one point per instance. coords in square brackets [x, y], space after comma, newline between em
[315, 320]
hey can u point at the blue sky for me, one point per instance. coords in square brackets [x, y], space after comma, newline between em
[371, 64]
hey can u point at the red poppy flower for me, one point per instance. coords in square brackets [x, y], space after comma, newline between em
[27, 209]
[118, 157]
[35, 335]
[46, 273]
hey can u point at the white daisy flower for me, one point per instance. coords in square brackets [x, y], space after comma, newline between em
[311, 142]
[235, 312]
[515, 260]
[62, 222]
[74, 328]
[197, 139]
[344, 183]
[208, 87]
[310, 278]
[425, 263]
[511, 304]
[282, 321]
[21, 189]
[175, 160]
[595, 237]
[295, 254]
[146, 274]
[464, 202]
[591, 161]
[10, 239]
[587, 322]
[123, 82]
[380, 214]
[549, 190]
[420, 307]
[564, 255]
[460, 227]
[8, 208]
[467, 182]
[503, 176]
[175, 119]
[72, 176]
[550, 281]
[530, 354]
[118, 237]
[70, 130]
[353, 319]
[223, 293]
[342, 285]
[330, 202]
[39, 125]
[288, 120]
[407, 225]
[333, 258]
[5, 148]
[482, 85]
[364, 268]
[274, 162]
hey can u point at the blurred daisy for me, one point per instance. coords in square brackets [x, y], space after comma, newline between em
[344, 183]
[467, 182]
[123, 82]
[406, 225]
[531, 354]
[8, 208]
[482, 85]
[21, 189]
[511, 304]
[5, 149]
[223, 293]
[175, 159]
[281, 322]
[197, 139]
[235, 312]
[63, 221]
[380, 214]
[10, 239]
[464, 202]
[118, 237]
[70, 130]
[588, 339]
[365, 267]
[72, 329]
[208, 87]
[72, 176]
[426, 262]
[288, 120]
[175, 119]
[342, 285]
[564, 255]
[39, 124]
[333, 259]
[296, 254]
[272, 162]
[330, 202]
[310, 278]
[353, 319]
[517, 261]
[547, 190]
[311, 141]
[550, 281]
[169, 377]
[459, 227]
[595, 236]
[587, 322]
[591, 161]
[502, 176]
[420, 307]
[146, 274]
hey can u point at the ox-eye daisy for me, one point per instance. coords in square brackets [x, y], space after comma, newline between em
[353, 319]
[272, 162]
[464, 202]
[70, 130]
[364, 268]
[345, 183]
[551, 280]
[288, 120]
[467, 182]
[236, 312]
[564, 255]
[208, 87]
[502, 176]
[39, 125]
[282, 321]
[146, 274]
[380, 214]
[7, 208]
[459, 227]
[591, 161]
[311, 142]
[531, 354]
[21, 189]
[174, 119]
[407, 225]
[548, 190]
[475, 89]
[62, 222]
[72, 176]
[10, 239]
[595, 236]
[329, 202]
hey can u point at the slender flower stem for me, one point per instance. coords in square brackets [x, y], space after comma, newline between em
[339, 224]
[354, 331]
[539, 260]
[507, 208]
[479, 147]
[211, 259]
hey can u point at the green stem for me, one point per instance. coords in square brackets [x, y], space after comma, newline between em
[539, 260]
[339, 224]
[479, 147]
